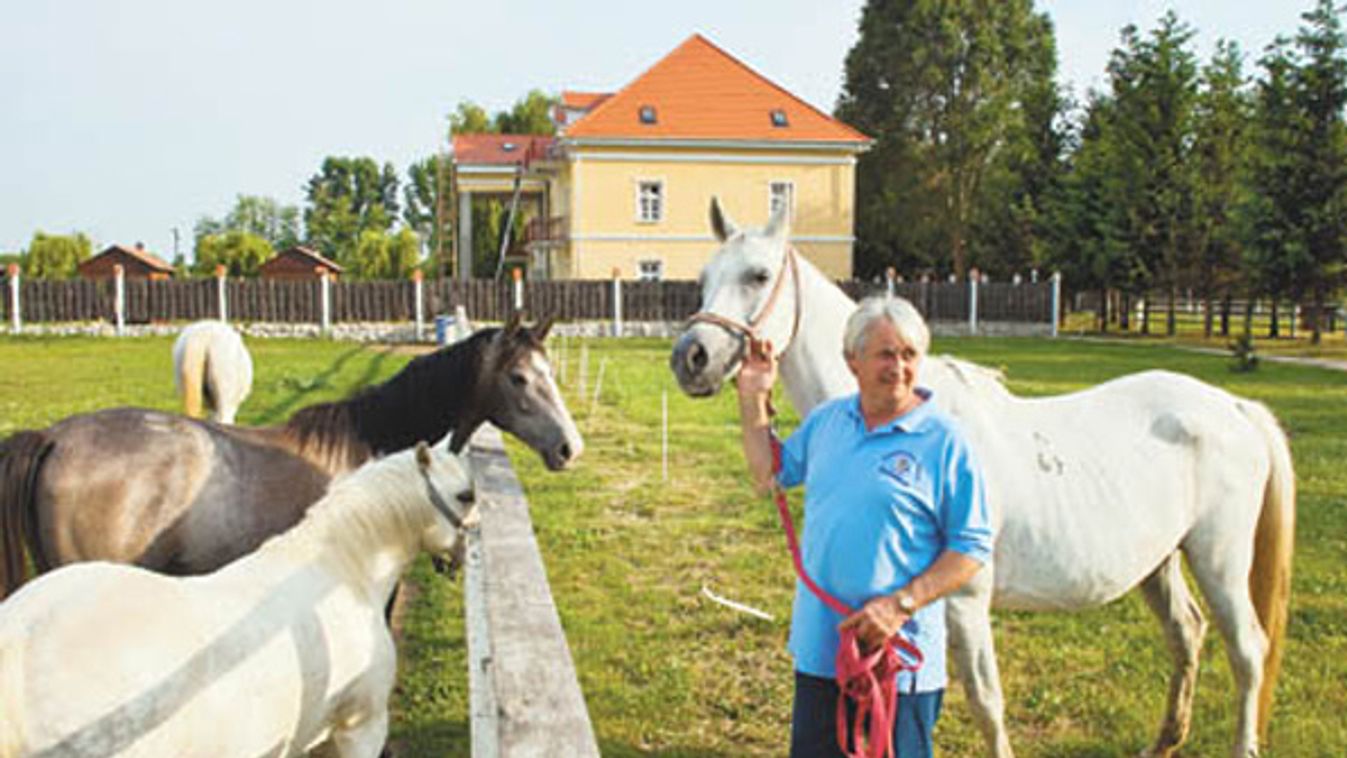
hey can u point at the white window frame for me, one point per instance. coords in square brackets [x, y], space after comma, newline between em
[657, 275]
[790, 197]
[652, 214]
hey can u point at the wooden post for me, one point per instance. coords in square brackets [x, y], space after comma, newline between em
[119, 298]
[324, 300]
[221, 277]
[517, 275]
[1056, 300]
[617, 301]
[973, 277]
[15, 317]
[419, 302]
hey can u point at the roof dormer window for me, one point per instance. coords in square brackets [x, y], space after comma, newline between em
[647, 114]
[508, 147]
[779, 118]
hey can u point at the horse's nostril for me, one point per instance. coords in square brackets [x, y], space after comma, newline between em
[467, 497]
[564, 451]
[697, 357]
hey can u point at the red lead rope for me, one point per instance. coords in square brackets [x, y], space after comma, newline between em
[870, 681]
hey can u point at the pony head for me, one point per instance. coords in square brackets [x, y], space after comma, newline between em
[748, 289]
[449, 488]
[523, 396]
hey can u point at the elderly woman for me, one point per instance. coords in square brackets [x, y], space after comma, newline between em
[895, 518]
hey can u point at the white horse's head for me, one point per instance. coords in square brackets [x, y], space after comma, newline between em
[748, 288]
[450, 491]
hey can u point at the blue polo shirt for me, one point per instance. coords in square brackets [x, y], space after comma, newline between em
[880, 506]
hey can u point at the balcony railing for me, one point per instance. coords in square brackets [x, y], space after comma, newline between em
[556, 229]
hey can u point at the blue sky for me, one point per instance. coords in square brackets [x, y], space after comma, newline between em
[130, 118]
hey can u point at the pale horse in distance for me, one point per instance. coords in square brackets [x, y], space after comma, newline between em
[1093, 492]
[282, 651]
[211, 367]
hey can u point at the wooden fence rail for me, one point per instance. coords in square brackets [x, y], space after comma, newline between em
[259, 300]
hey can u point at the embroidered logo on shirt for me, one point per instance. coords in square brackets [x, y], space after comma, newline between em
[902, 466]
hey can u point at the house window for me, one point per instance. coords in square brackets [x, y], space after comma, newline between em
[648, 114]
[649, 201]
[650, 270]
[781, 194]
[779, 119]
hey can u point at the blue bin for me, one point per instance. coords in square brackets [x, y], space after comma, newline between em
[443, 327]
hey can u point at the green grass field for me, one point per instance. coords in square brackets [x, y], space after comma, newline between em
[667, 672]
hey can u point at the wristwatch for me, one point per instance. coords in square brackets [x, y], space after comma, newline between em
[906, 603]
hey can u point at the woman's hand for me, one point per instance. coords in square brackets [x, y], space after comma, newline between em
[757, 373]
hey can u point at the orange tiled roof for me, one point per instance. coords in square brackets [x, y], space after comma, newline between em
[583, 100]
[499, 149]
[140, 254]
[700, 92]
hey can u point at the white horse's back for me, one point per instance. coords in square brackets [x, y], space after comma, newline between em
[274, 653]
[212, 367]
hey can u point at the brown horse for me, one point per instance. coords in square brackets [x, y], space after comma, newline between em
[183, 496]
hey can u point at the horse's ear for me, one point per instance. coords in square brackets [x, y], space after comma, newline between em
[721, 226]
[544, 326]
[778, 226]
[422, 455]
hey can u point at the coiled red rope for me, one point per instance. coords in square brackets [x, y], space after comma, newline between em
[870, 680]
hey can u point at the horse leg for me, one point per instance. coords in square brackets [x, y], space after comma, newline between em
[1223, 577]
[968, 614]
[1167, 594]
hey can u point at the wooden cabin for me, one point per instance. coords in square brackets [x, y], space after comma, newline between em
[136, 263]
[299, 263]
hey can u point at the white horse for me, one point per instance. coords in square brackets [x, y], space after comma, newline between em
[284, 650]
[210, 363]
[1093, 493]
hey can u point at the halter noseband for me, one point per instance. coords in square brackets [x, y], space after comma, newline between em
[750, 329]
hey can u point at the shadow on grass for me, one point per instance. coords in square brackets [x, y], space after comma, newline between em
[454, 738]
[288, 404]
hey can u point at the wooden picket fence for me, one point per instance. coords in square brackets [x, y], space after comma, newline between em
[260, 300]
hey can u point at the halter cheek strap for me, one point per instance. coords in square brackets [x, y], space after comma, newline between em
[751, 329]
[442, 505]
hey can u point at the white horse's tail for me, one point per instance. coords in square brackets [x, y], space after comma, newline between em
[1274, 541]
[190, 370]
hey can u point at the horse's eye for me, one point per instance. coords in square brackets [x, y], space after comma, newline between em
[518, 380]
[760, 276]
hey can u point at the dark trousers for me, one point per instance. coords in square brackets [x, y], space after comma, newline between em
[813, 730]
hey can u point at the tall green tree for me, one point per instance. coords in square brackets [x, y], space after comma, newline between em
[423, 205]
[241, 253]
[56, 256]
[1298, 212]
[1224, 111]
[347, 197]
[264, 217]
[379, 255]
[1154, 92]
[531, 114]
[941, 85]
[470, 118]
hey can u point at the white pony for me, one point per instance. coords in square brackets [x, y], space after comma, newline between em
[1093, 493]
[284, 650]
[211, 363]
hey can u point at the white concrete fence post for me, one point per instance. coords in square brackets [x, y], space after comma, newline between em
[221, 291]
[973, 279]
[890, 274]
[419, 302]
[119, 298]
[517, 275]
[325, 300]
[1056, 301]
[15, 309]
[617, 302]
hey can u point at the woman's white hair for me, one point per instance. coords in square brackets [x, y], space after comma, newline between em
[899, 312]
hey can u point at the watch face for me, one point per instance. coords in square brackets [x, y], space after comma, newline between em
[907, 603]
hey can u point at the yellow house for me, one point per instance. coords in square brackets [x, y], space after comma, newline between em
[627, 183]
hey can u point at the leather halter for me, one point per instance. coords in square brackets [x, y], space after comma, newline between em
[442, 505]
[750, 329]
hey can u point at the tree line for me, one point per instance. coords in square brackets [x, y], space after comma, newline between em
[365, 216]
[1179, 176]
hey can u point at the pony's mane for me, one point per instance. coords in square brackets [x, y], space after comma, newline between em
[431, 395]
[382, 502]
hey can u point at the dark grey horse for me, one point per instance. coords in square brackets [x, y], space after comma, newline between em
[183, 496]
